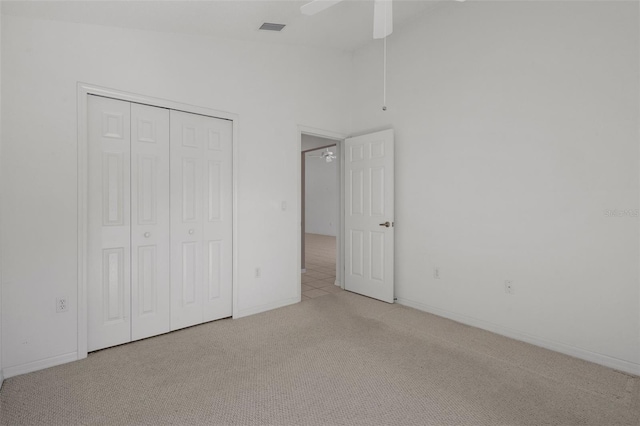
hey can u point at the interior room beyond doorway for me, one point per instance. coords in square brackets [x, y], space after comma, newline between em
[320, 223]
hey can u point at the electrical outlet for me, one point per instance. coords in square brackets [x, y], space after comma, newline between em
[436, 273]
[61, 305]
[258, 272]
[508, 287]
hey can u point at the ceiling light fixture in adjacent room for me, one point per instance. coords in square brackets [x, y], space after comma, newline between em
[326, 155]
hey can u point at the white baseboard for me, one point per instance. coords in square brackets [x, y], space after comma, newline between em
[1, 379]
[39, 365]
[264, 308]
[607, 361]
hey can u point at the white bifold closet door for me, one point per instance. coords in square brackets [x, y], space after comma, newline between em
[150, 222]
[129, 235]
[109, 223]
[201, 215]
[159, 228]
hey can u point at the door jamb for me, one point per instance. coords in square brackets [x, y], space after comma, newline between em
[83, 91]
[339, 138]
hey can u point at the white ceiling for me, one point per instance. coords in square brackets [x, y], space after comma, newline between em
[345, 26]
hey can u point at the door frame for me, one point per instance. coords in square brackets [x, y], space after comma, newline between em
[83, 91]
[339, 142]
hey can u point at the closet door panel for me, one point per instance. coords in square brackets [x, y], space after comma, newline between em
[187, 142]
[109, 246]
[217, 224]
[150, 223]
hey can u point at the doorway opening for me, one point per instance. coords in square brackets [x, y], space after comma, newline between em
[364, 243]
[320, 216]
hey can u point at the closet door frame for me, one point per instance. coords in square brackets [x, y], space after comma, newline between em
[83, 92]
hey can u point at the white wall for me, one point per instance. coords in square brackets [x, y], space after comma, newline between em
[516, 128]
[321, 195]
[273, 89]
[1, 375]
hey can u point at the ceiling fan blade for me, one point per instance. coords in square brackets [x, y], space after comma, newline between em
[317, 6]
[382, 18]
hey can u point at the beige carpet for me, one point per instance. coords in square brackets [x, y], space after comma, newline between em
[336, 359]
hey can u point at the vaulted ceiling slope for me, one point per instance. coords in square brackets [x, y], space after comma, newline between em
[345, 26]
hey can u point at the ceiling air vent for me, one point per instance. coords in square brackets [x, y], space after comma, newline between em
[271, 27]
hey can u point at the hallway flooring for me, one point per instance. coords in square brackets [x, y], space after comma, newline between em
[320, 256]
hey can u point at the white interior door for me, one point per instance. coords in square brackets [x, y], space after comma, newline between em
[150, 236]
[369, 215]
[200, 219]
[109, 243]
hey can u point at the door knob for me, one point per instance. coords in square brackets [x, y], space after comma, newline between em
[190, 231]
[147, 234]
[386, 224]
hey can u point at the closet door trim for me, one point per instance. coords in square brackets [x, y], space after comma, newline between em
[83, 92]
